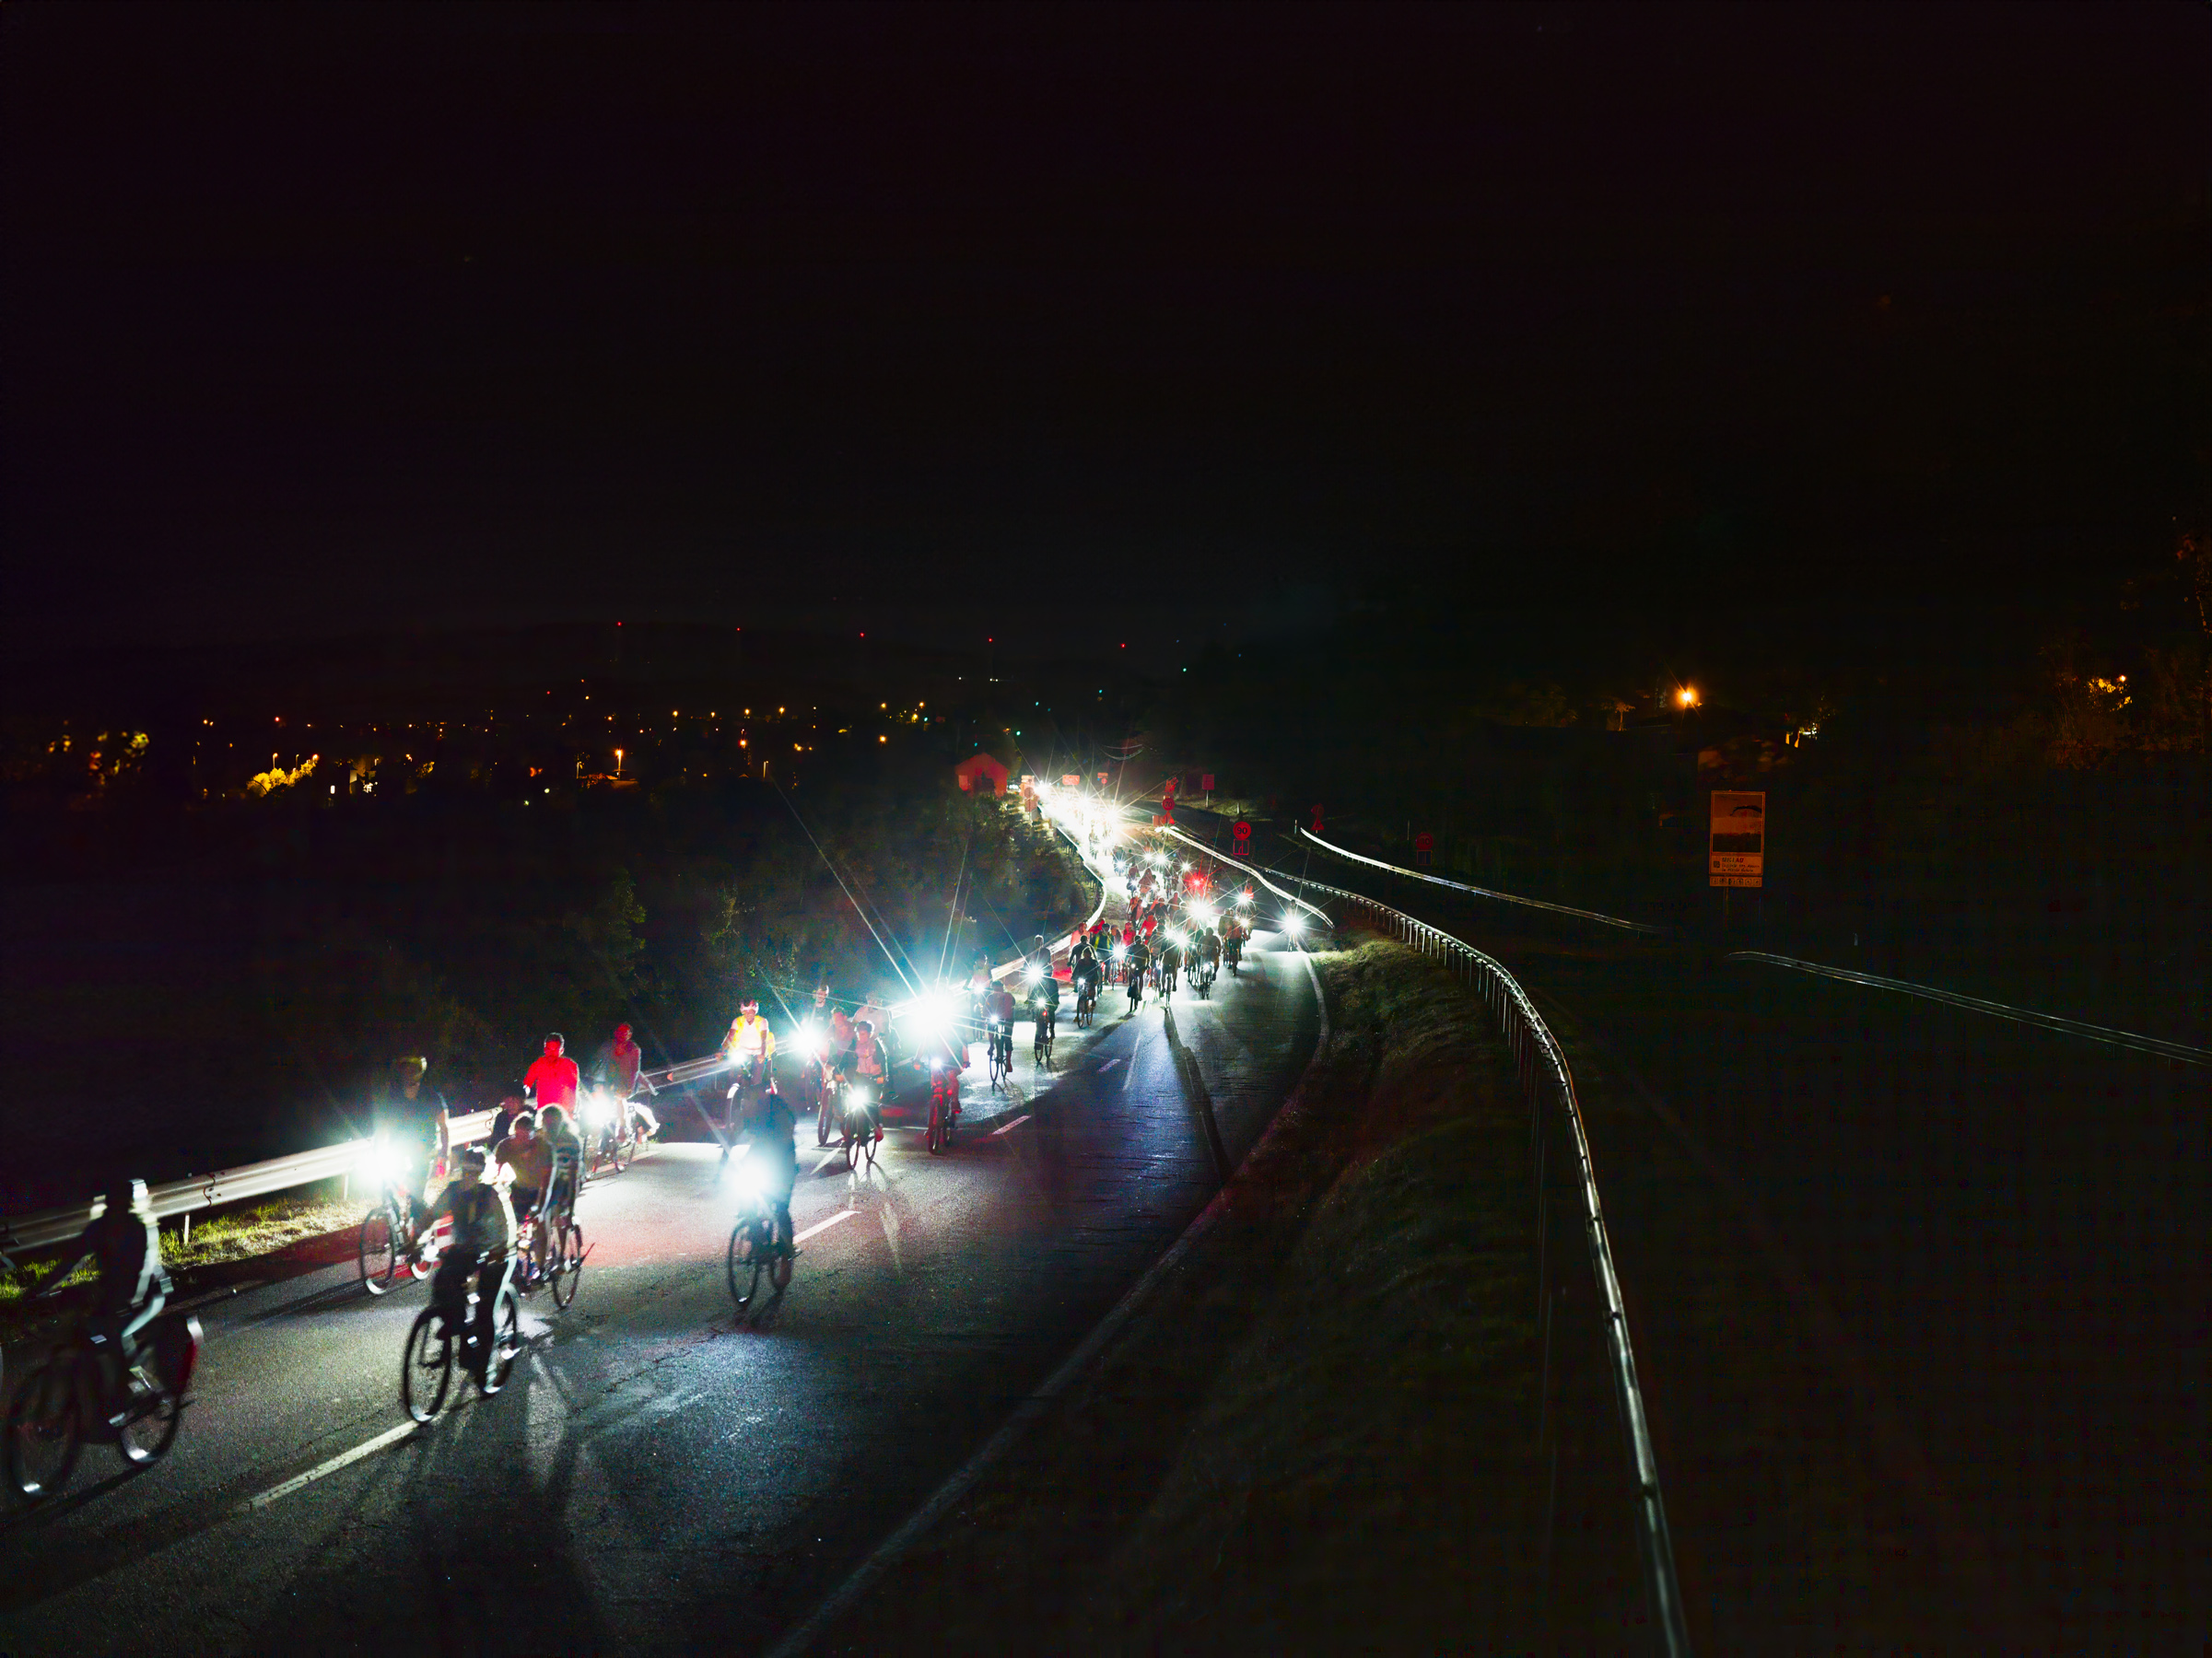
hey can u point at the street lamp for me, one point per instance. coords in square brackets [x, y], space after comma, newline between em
[618, 762]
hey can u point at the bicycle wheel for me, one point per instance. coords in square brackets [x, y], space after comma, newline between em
[568, 1263]
[823, 1118]
[422, 1260]
[745, 1262]
[44, 1430]
[507, 1342]
[149, 1425]
[626, 1149]
[867, 1151]
[780, 1269]
[934, 1139]
[378, 1250]
[425, 1367]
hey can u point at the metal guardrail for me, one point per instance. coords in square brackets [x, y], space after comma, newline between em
[2179, 1051]
[1544, 1072]
[196, 1192]
[1645, 927]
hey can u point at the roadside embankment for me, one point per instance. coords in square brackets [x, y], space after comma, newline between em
[1319, 1431]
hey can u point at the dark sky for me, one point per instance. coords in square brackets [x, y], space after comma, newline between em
[1088, 319]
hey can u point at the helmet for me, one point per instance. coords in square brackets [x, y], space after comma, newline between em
[472, 1159]
[554, 1039]
[125, 1193]
[527, 1119]
[554, 1117]
[622, 1033]
[413, 1062]
[864, 1026]
[751, 1004]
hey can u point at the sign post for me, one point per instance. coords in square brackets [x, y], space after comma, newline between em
[1737, 848]
[1425, 844]
[1240, 838]
[1316, 818]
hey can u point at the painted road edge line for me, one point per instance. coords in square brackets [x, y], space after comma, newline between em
[822, 1226]
[322, 1469]
[925, 1518]
[1975, 1004]
[1012, 1125]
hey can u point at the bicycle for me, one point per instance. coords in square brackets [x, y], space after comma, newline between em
[564, 1261]
[427, 1360]
[858, 1124]
[999, 1041]
[388, 1242]
[756, 1250]
[944, 1111]
[62, 1404]
[1086, 1003]
[614, 1141]
[1040, 1050]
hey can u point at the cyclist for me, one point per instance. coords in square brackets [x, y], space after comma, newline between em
[1171, 963]
[124, 1242]
[751, 1047]
[750, 1041]
[871, 1069]
[1140, 960]
[484, 1231]
[412, 1119]
[1039, 956]
[553, 1079]
[998, 1007]
[565, 1155]
[524, 1163]
[620, 1069]
[1083, 975]
[775, 1136]
[1210, 954]
[1043, 1005]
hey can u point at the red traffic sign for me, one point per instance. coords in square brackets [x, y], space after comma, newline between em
[1424, 842]
[1206, 781]
[1241, 830]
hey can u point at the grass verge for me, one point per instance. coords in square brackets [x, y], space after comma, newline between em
[1318, 1434]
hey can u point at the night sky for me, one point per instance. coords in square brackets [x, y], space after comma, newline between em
[1066, 321]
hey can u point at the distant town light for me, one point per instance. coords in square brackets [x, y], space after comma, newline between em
[1686, 696]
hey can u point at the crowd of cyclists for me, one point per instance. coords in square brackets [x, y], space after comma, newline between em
[531, 1168]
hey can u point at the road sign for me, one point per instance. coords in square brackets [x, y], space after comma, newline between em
[1738, 850]
[1071, 780]
[1241, 848]
[1102, 779]
[1241, 830]
[1206, 781]
[1424, 845]
[1316, 818]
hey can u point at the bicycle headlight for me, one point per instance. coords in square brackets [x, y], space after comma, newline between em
[382, 1162]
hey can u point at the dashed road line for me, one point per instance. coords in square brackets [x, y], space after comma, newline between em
[822, 1226]
[1010, 1127]
[365, 1448]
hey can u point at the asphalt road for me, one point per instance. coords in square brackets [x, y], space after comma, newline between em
[660, 1475]
[1918, 1296]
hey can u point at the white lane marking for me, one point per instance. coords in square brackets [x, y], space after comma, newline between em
[1110, 1064]
[822, 1226]
[365, 1448]
[891, 1237]
[829, 1157]
[1010, 1127]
